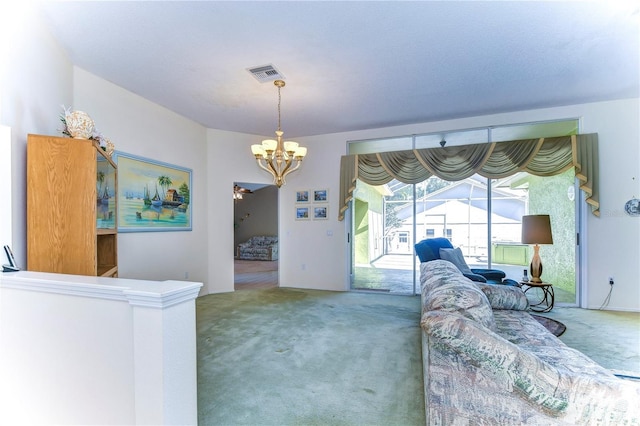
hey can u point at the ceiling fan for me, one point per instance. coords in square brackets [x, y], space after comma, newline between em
[238, 191]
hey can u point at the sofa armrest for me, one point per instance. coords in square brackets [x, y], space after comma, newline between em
[535, 380]
[490, 274]
[476, 278]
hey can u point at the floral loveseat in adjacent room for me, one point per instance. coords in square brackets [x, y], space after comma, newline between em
[487, 361]
[259, 248]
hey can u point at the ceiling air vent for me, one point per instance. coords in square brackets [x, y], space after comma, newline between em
[265, 73]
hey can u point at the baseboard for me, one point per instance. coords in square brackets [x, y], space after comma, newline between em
[609, 308]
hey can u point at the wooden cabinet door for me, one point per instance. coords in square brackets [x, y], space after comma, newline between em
[61, 205]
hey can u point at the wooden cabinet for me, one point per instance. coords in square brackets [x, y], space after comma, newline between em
[71, 207]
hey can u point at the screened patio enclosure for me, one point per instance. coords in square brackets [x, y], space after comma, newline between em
[384, 237]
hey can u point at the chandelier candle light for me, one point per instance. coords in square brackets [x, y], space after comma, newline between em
[277, 157]
[536, 229]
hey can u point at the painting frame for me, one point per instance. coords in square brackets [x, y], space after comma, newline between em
[302, 213]
[320, 195]
[302, 196]
[138, 211]
[321, 212]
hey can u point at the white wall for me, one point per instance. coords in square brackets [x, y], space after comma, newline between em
[229, 160]
[614, 239]
[5, 186]
[35, 79]
[34, 368]
[137, 126]
[91, 350]
[313, 254]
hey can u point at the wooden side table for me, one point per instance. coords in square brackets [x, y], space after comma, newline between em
[546, 301]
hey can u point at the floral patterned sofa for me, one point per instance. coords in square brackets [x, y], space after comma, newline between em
[486, 360]
[259, 248]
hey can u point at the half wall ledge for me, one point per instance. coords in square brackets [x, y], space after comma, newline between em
[125, 348]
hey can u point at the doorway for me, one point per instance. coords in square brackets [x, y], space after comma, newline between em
[255, 208]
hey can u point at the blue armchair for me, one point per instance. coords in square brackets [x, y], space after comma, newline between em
[441, 248]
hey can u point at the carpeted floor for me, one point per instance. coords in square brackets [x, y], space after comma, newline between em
[610, 338]
[287, 356]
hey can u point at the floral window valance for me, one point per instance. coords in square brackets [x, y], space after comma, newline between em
[541, 157]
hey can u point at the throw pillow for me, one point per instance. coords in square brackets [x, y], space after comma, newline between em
[456, 257]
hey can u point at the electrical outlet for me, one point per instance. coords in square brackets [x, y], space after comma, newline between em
[611, 281]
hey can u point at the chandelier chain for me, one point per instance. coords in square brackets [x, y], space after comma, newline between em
[279, 99]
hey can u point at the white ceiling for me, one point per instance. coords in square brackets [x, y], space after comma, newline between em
[354, 65]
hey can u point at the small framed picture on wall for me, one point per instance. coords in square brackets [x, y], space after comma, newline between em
[320, 195]
[320, 212]
[302, 196]
[302, 213]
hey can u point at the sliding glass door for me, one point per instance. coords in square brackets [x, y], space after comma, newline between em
[383, 238]
[481, 216]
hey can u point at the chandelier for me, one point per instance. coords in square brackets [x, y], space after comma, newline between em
[277, 157]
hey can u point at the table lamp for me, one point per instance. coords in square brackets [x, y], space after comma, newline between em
[536, 229]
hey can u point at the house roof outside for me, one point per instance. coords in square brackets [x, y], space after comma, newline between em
[507, 204]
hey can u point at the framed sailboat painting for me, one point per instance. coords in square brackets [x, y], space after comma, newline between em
[152, 195]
